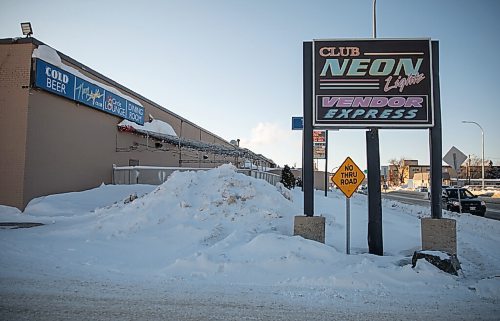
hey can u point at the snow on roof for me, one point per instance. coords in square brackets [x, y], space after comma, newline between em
[51, 56]
[155, 126]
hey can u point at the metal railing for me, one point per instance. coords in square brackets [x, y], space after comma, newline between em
[153, 175]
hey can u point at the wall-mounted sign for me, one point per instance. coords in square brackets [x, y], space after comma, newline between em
[372, 83]
[63, 83]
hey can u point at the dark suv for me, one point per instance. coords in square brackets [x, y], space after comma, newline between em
[469, 202]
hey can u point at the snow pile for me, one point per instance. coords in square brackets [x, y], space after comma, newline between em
[204, 220]
[154, 126]
[222, 228]
[76, 203]
[206, 198]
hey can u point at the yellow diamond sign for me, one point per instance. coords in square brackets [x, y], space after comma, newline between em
[348, 177]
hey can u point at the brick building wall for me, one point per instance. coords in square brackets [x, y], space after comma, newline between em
[15, 67]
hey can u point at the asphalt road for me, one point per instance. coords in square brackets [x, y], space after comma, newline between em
[418, 198]
[75, 300]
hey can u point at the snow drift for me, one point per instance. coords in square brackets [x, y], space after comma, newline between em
[222, 228]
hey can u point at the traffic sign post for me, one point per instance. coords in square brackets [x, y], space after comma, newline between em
[455, 158]
[348, 178]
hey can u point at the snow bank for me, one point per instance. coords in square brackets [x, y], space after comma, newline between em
[77, 203]
[222, 228]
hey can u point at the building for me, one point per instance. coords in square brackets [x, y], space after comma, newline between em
[413, 174]
[63, 126]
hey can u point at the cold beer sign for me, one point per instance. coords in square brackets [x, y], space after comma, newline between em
[348, 177]
[372, 83]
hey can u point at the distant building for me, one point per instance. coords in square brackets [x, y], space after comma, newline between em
[415, 174]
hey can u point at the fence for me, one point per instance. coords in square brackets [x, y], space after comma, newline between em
[154, 175]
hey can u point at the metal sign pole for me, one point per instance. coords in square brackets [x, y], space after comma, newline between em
[459, 200]
[435, 139]
[326, 163]
[375, 239]
[308, 168]
[348, 225]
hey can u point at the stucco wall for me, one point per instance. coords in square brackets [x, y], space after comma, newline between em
[50, 144]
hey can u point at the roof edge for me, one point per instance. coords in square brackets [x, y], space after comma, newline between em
[24, 40]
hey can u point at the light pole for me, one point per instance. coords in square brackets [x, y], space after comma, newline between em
[482, 146]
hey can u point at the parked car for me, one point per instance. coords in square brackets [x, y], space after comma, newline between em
[469, 202]
[422, 189]
[363, 189]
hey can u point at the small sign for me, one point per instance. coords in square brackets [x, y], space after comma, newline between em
[348, 177]
[297, 123]
[319, 136]
[319, 151]
[454, 158]
[319, 144]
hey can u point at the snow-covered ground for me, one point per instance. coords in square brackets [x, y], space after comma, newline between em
[218, 240]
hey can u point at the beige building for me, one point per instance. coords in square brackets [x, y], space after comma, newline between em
[53, 140]
[417, 175]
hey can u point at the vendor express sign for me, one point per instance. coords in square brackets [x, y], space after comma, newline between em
[372, 83]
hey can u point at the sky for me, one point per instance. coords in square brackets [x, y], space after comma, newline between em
[235, 67]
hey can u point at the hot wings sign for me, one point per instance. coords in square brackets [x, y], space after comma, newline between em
[372, 83]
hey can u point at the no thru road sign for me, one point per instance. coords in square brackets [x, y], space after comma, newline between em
[348, 177]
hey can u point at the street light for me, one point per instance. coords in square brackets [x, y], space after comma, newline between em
[26, 29]
[482, 148]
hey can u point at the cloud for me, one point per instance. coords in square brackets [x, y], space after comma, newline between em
[265, 134]
[274, 142]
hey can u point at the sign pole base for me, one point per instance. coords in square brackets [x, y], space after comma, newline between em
[310, 227]
[439, 234]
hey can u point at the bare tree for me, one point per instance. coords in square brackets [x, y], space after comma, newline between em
[474, 163]
[398, 170]
[492, 172]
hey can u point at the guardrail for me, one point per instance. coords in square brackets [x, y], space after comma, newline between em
[153, 175]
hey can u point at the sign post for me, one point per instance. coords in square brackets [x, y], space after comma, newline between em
[455, 158]
[348, 178]
[348, 225]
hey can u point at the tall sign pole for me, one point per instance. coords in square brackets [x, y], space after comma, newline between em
[375, 240]
[326, 163]
[308, 168]
[435, 138]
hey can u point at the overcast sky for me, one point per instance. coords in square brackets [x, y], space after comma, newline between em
[235, 67]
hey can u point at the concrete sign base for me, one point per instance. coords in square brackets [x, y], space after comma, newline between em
[439, 235]
[310, 227]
